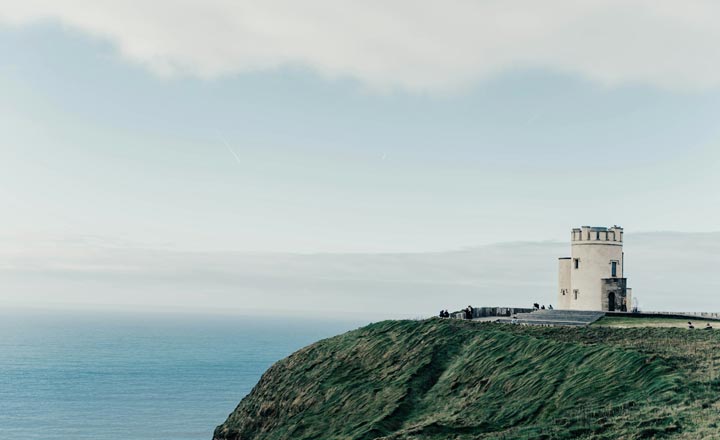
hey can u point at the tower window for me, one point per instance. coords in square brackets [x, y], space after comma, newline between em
[576, 262]
[576, 291]
[613, 269]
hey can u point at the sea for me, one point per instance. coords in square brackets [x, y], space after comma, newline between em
[136, 375]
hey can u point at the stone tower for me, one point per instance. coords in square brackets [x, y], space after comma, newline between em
[592, 278]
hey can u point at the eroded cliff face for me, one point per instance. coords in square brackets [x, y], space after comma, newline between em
[441, 379]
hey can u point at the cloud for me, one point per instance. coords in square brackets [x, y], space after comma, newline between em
[415, 45]
[667, 271]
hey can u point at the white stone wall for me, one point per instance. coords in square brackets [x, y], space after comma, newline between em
[564, 290]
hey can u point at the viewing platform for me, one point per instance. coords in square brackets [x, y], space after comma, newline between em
[571, 318]
[554, 317]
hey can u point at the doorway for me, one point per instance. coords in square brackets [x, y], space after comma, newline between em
[611, 302]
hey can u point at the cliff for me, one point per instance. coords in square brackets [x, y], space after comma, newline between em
[450, 379]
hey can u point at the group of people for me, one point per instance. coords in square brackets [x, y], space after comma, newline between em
[707, 326]
[537, 306]
[469, 313]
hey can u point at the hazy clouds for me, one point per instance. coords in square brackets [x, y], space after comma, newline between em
[668, 271]
[284, 160]
[416, 45]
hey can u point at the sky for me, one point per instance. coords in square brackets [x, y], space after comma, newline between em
[277, 127]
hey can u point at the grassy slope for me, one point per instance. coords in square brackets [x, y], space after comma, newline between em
[440, 379]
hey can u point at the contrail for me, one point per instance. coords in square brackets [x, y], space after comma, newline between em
[534, 116]
[237, 158]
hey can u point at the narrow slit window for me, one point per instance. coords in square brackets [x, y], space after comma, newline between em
[576, 261]
[576, 293]
[613, 269]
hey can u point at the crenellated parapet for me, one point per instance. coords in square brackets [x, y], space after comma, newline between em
[597, 234]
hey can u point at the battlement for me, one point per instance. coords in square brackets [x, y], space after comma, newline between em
[597, 234]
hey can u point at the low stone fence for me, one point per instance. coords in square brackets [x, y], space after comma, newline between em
[482, 312]
[714, 316]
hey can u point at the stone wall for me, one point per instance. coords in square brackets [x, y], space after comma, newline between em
[483, 312]
[617, 287]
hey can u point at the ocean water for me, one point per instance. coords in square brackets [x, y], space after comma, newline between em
[102, 376]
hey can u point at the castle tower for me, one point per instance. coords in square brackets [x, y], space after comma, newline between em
[592, 278]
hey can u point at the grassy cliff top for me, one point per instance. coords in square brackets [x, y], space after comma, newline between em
[451, 379]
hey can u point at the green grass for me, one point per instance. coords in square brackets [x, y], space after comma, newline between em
[450, 379]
